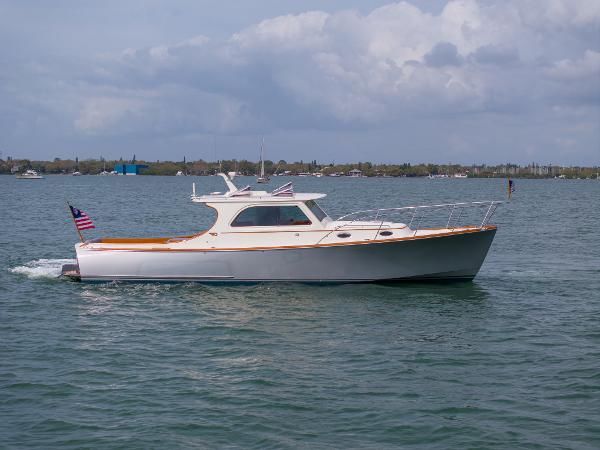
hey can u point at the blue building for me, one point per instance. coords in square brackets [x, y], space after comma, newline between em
[129, 169]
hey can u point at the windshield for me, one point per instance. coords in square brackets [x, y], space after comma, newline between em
[269, 216]
[316, 210]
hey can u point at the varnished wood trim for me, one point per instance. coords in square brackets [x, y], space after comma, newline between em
[157, 240]
[286, 247]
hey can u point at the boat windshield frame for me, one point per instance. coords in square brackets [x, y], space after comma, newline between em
[316, 210]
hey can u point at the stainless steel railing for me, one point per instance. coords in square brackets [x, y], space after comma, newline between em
[474, 214]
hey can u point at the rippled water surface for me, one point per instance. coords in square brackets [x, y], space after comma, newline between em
[511, 360]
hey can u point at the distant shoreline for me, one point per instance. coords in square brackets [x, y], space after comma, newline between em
[522, 177]
[312, 168]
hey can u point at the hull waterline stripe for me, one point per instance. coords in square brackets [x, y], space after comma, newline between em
[232, 279]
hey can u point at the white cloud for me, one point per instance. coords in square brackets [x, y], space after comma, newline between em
[345, 67]
[568, 69]
[102, 112]
[559, 13]
[284, 33]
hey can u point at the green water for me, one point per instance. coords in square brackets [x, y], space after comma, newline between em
[511, 360]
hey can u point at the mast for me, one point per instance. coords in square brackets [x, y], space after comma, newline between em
[262, 161]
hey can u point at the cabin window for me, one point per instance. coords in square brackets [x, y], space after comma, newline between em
[270, 216]
[316, 210]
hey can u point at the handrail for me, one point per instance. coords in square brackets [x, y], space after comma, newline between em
[404, 208]
[418, 213]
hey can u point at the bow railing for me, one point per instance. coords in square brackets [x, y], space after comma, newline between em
[449, 216]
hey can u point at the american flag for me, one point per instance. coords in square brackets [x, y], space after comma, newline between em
[82, 221]
[287, 190]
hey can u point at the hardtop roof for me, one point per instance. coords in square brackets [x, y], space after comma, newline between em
[281, 194]
[256, 197]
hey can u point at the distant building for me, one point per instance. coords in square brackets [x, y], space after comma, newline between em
[129, 169]
[355, 173]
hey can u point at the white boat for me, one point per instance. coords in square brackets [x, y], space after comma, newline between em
[29, 175]
[76, 174]
[438, 176]
[104, 173]
[179, 173]
[285, 236]
[460, 175]
[262, 178]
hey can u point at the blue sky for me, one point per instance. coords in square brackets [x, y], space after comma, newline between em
[423, 81]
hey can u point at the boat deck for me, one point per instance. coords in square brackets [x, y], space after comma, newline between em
[151, 240]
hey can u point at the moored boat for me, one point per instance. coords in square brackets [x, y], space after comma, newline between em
[285, 236]
[262, 178]
[29, 175]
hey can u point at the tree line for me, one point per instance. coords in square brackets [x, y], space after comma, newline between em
[245, 167]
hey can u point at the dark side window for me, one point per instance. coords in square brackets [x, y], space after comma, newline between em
[316, 209]
[269, 216]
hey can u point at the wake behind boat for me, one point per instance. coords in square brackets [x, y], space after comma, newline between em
[285, 236]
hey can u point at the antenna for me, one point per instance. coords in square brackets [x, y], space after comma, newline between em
[215, 151]
[262, 159]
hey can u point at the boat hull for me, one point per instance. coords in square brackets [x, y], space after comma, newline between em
[446, 257]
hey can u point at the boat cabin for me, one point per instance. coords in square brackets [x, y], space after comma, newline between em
[247, 210]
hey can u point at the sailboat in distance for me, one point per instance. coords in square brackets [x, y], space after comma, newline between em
[262, 178]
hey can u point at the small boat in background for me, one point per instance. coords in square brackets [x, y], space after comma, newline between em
[76, 174]
[262, 178]
[179, 173]
[104, 172]
[29, 175]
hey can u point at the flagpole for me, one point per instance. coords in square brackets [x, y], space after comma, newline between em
[75, 223]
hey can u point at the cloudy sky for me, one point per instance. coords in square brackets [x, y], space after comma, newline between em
[465, 81]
